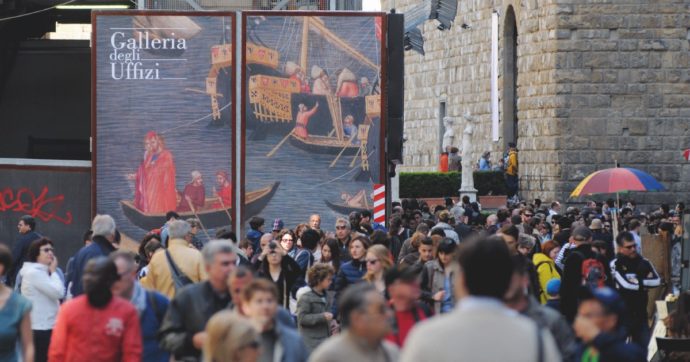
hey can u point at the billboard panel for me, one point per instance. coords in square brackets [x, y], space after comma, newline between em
[312, 111]
[163, 118]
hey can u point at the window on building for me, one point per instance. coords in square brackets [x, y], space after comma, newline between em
[510, 74]
[441, 127]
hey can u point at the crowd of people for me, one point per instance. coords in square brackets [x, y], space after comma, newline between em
[448, 284]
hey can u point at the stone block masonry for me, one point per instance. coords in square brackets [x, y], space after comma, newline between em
[597, 81]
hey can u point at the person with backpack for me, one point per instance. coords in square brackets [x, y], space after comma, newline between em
[546, 270]
[151, 306]
[582, 268]
[633, 275]
[404, 291]
[180, 264]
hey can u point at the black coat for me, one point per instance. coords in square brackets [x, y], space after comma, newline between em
[289, 277]
[19, 250]
[571, 282]
[187, 314]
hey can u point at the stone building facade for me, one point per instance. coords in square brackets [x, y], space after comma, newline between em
[582, 84]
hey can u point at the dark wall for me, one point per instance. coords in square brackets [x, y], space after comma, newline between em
[58, 198]
[45, 103]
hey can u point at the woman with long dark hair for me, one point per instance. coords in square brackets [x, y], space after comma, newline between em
[330, 254]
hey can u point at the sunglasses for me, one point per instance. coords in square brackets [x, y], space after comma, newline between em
[372, 261]
[340, 227]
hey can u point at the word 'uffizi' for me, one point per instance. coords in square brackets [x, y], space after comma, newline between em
[125, 59]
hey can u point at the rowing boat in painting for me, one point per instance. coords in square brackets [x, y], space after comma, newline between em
[210, 215]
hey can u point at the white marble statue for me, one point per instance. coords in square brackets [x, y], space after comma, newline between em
[449, 134]
[467, 171]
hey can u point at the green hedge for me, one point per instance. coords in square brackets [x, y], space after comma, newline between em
[442, 184]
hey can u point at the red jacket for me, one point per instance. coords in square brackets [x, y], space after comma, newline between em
[85, 333]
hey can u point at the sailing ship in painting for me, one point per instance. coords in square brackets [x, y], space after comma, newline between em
[317, 82]
[282, 98]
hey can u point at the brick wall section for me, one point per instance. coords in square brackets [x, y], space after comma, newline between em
[597, 81]
[624, 75]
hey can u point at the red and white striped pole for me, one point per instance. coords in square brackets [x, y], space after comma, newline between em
[380, 203]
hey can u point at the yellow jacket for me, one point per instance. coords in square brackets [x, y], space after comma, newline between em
[512, 166]
[546, 270]
[188, 260]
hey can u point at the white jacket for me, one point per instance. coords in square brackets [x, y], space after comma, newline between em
[44, 290]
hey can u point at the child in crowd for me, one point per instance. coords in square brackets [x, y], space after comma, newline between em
[313, 318]
[553, 289]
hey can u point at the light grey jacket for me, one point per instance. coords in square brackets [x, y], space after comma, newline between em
[311, 322]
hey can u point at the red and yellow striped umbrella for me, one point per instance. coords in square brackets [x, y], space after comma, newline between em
[617, 180]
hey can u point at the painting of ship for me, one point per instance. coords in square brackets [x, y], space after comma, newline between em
[277, 86]
[210, 215]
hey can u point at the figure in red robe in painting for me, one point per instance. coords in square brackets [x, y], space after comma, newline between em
[347, 84]
[194, 194]
[303, 119]
[155, 178]
[224, 190]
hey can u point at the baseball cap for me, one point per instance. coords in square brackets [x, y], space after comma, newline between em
[596, 225]
[553, 287]
[277, 225]
[581, 233]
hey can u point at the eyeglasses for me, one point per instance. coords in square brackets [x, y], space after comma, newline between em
[287, 240]
[47, 250]
[372, 261]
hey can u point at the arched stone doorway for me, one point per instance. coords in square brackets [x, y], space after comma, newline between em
[510, 119]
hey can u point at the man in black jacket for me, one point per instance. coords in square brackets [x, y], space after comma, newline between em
[182, 331]
[26, 227]
[573, 281]
[633, 275]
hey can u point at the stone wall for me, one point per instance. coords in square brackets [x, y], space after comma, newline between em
[596, 81]
[456, 69]
[624, 78]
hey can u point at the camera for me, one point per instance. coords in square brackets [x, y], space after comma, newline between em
[272, 246]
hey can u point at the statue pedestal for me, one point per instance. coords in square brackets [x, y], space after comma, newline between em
[471, 192]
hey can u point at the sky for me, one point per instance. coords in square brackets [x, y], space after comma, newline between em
[371, 5]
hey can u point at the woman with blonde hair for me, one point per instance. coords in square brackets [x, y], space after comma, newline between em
[231, 337]
[378, 263]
